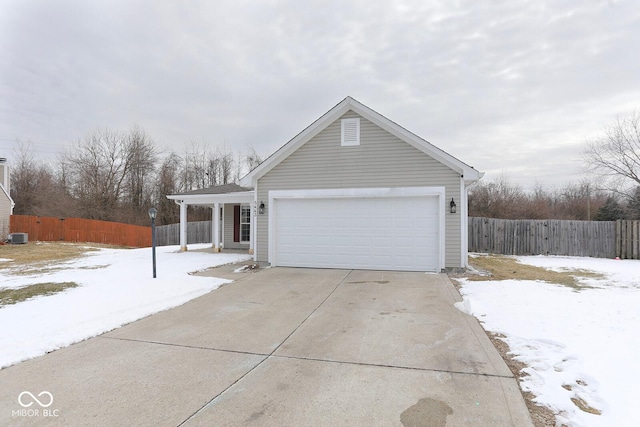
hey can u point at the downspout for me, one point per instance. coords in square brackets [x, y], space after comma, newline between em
[468, 186]
[254, 235]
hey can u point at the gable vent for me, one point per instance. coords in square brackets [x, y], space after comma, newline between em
[350, 134]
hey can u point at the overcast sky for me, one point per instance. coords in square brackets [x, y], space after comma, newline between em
[512, 87]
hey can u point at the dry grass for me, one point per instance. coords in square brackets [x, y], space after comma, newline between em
[36, 252]
[37, 258]
[584, 406]
[13, 296]
[508, 268]
[540, 415]
[499, 267]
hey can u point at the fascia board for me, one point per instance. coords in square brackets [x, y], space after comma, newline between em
[412, 139]
[207, 199]
[250, 180]
[8, 195]
[296, 142]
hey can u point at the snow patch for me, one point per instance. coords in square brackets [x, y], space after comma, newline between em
[579, 346]
[115, 287]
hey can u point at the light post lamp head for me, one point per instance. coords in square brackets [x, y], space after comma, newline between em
[152, 213]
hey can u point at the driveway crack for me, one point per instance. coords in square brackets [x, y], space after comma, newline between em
[203, 407]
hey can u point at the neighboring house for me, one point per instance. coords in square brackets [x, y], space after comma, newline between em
[6, 203]
[353, 190]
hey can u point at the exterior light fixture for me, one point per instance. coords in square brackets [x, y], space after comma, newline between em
[153, 212]
[261, 208]
[452, 206]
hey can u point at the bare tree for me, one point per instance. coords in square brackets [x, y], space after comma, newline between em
[204, 167]
[225, 162]
[633, 204]
[252, 159]
[142, 158]
[198, 170]
[168, 182]
[501, 199]
[615, 156]
[107, 171]
[37, 188]
[579, 201]
[496, 199]
[26, 175]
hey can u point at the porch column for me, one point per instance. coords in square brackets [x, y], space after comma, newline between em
[252, 225]
[183, 226]
[216, 227]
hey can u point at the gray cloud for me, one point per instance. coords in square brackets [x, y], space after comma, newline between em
[512, 86]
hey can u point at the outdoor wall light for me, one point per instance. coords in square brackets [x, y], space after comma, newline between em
[452, 206]
[261, 208]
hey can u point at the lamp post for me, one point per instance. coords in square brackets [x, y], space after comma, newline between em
[152, 214]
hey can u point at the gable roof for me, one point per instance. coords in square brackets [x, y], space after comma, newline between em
[11, 202]
[350, 104]
[3, 181]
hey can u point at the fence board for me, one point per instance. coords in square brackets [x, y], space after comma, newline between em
[628, 239]
[80, 230]
[197, 232]
[547, 237]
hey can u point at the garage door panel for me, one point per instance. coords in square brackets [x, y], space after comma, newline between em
[389, 233]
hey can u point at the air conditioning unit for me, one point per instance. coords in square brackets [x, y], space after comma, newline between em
[18, 238]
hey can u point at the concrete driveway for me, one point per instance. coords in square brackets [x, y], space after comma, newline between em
[282, 347]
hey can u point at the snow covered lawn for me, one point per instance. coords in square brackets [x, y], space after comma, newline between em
[581, 346]
[115, 287]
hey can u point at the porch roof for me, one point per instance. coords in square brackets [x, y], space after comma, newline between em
[228, 193]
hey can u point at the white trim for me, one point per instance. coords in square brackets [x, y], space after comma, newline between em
[464, 232]
[216, 227]
[6, 183]
[252, 227]
[438, 192]
[244, 205]
[467, 172]
[255, 224]
[467, 186]
[12, 204]
[183, 226]
[222, 225]
[347, 140]
[209, 199]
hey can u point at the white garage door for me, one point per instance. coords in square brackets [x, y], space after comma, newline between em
[379, 233]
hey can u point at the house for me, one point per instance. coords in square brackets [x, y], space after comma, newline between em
[6, 203]
[353, 190]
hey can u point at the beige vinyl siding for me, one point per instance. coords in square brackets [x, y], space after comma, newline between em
[3, 171]
[228, 229]
[381, 160]
[5, 213]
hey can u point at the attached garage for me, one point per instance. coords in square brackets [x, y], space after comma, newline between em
[372, 228]
[353, 190]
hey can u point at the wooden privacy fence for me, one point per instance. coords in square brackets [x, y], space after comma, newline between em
[601, 239]
[81, 230]
[546, 237]
[197, 232]
[628, 239]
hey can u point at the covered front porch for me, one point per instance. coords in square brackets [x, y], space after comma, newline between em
[233, 215]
